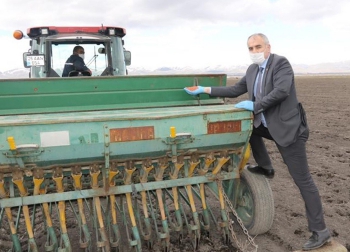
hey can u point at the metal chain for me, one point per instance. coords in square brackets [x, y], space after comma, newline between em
[230, 226]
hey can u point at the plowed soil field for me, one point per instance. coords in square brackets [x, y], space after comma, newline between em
[326, 100]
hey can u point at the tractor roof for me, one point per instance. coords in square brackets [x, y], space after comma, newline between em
[34, 32]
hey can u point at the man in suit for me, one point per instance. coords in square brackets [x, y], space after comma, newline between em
[278, 116]
[75, 63]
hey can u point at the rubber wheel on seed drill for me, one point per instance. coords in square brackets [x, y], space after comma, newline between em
[255, 204]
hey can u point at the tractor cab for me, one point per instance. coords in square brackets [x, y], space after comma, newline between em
[50, 47]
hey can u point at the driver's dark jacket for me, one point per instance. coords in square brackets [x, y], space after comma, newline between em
[74, 62]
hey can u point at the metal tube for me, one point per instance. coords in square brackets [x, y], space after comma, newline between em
[58, 178]
[23, 192]
[117, 190]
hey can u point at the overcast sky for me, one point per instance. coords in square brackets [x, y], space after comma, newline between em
[195, 33]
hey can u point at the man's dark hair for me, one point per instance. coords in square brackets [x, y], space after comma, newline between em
[77, 48]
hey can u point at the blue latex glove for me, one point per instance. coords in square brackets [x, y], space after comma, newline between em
[248, 105]
[197, 91]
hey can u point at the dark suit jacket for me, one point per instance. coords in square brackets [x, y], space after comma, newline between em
[284, 115]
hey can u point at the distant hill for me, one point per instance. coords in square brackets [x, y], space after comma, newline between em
[238, 70]
[15, 73]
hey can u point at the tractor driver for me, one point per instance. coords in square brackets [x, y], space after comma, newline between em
[75, 63]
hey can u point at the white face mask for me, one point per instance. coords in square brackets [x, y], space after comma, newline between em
[81, 56]
[257, 58]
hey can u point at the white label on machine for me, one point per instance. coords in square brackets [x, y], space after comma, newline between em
[35, 60]
[55, 138]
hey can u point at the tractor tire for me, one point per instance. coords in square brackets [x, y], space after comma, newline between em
[255, 205]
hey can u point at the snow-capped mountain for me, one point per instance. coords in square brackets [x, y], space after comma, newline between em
[238, 70]
[15, 73]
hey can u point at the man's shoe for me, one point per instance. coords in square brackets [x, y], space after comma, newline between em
[317, 240]
[268, 173]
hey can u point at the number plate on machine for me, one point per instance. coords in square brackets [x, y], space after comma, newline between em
[35, 60]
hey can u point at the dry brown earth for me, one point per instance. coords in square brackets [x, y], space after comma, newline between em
[326, 100]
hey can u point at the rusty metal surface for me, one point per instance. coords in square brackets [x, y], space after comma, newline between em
[224, 127]
[131, 134]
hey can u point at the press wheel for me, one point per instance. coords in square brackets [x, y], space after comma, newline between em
[255, 203]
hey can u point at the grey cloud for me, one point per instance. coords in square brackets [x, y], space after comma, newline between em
[178, 12]
[159, 13]
[300, 11]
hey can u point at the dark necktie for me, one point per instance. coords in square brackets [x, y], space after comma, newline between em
[258, 96]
